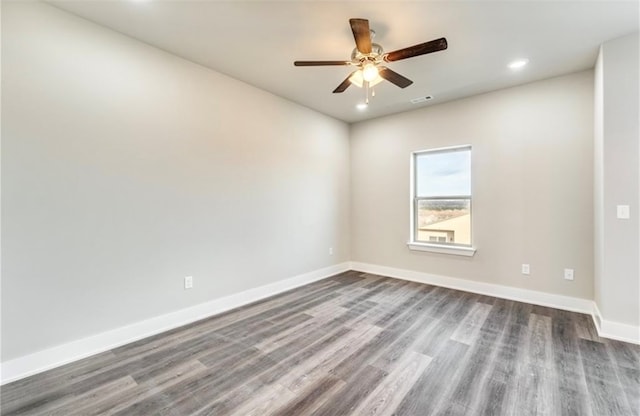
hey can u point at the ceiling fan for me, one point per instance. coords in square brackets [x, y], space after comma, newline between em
[368, 57]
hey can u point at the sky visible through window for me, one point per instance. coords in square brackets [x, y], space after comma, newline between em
[444, 173]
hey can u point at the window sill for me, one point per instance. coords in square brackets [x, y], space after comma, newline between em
[442, 249]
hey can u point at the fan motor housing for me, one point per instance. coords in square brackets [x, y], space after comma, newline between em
[376, 51]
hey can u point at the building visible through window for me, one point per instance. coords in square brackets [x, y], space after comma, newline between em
[442, 196]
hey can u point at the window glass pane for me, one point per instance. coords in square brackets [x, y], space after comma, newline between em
[443, 173]
[444, 221]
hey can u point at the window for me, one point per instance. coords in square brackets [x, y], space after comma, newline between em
[441, 205]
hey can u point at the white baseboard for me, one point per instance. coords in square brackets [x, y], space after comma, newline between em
[606, 329]
[40, 361]
[615, 330]
[505, 292]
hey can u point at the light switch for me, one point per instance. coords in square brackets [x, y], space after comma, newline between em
[623, 212]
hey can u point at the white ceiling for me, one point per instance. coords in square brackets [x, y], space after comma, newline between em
[258, 41]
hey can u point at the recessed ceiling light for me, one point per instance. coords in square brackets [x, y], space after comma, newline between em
[362, 106]
[518, 64]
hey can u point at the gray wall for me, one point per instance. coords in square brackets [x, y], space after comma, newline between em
[617, 242]
[125, 168]
[532, 167]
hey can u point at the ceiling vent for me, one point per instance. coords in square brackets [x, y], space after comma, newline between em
[421, 99]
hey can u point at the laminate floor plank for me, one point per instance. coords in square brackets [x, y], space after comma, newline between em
[300, 377]
[95, 396]
[404, 306]
[540, 347]
[42, 383]
[630, 380]
[382, 341]
[572, 402]
[125, 399]
[426, 393]
[572, 384]
[319, 325]
[491, 402]
[454, 409]
[435, 337]
[365, 296]
[447, 305]
[376, 280]
[520, 313]
[462, 308]
[607, 398]
[65, 404]
[476, 367]
[307, 353]
[388, 304]
[353, 344]
[397, 294]
[498, 316]
[266, 401]
[606, 392]
[393, 286]
[261, 335]
[504, 365]
[224, 405]
[358, 387]
[274, 364]
[389, 358]
[387, 396]
[470, 325]
[159, 362]
[625, 355]
[532, 396]
[312, 398]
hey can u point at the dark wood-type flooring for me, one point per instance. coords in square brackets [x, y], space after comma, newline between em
[353, 344]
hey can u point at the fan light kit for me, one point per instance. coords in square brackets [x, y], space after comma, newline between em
[369, 56]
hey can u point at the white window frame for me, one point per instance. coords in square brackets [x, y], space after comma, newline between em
[447, 248]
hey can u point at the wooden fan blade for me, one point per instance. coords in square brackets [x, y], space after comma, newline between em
[362, 34]
[394, 78]
[320, 63]
[416, 50]
[344, 85]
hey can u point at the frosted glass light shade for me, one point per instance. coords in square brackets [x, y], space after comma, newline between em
[357, 79]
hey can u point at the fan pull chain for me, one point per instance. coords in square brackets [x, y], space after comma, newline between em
[366, 89]
[366, 92]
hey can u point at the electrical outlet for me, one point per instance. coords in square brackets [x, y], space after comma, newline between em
[622, 212]
[331, 251]
[526, 269]
[188, 282]
[568, 274]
